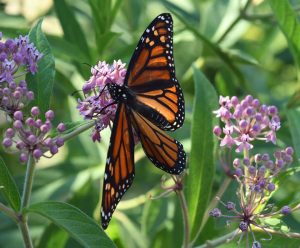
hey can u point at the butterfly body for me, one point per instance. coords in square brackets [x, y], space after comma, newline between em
[149, 102]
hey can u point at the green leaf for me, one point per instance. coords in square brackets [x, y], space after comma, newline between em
[289, 24]
[293, 116]
[215, 48]
[104, 14]
[53, 237]
[8, 187]
[76, 223]
[202, 164]
[242, 57]
[72, 30]
[41, 83]
[66, 50]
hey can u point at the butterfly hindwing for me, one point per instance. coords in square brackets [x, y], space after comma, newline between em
[163, 151]
[119, 169]
[151, 76]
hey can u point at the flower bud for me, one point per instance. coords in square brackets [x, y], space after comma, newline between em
[54, 149]
[238, 172]
[271, 187]
[230, 206]
[20, 145]
[18, 115]
[234, 100]
[289, 150]
[236, 162]
[48, 142]
[37, 153]
[44, 128]
[49, 115]
[35, 111]
[272, 110]
[215, 213]
[17, 124]
[243, 226]
[61, 127]
[30, 95]
[265, 157]
[256, 244]
[285, 210]
[252, 170]
[9, 133]
[59, 142]
[257, 158]
[23, 157]
[246, 161]
[217, 131]
[255, 103]
[38, 123]
[7, 142]
[31, 139]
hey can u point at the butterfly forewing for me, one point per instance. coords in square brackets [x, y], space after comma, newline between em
[164, 151]
[151, 76]
[119, 169]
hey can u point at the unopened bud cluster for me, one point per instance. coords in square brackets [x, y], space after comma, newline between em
[31, 135]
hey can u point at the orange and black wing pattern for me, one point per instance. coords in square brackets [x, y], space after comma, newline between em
[164, 151]
[151, 76]
[119, 170]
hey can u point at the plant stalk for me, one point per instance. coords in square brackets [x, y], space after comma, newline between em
[9, 212]
[232, 25]
[28, 182]
[219, 241]
[22, 219]
[25, 232]
[78, 130]
[185, 215]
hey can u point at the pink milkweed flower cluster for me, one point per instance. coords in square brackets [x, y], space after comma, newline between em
[15, 53]
[256, 177]
[245, 121]
[30, 136]
[97, 100]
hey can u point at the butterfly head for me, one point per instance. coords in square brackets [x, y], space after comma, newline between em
[117, 92]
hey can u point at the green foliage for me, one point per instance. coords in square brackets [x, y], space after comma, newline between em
[8, 187]
[202, 162]
[230, 47]
[293, 116]
[81, 227]
[42, 82]
[290, 25]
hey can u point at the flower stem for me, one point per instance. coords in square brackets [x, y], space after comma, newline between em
[185, 215]
[9, 212]
[28, 182]
[219, 241]
[25, 232]
[78, 130]
[238, 18]
[22, 219]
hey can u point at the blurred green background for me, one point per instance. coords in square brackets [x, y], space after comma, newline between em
[251, 58]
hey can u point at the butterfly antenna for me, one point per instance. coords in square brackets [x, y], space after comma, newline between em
[89, 65]
[108, 105]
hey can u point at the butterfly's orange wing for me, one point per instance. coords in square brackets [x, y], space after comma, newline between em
[163, 150]
[151, 76]
[119, 170]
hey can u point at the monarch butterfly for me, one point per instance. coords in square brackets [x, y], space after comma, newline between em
[149, 102]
